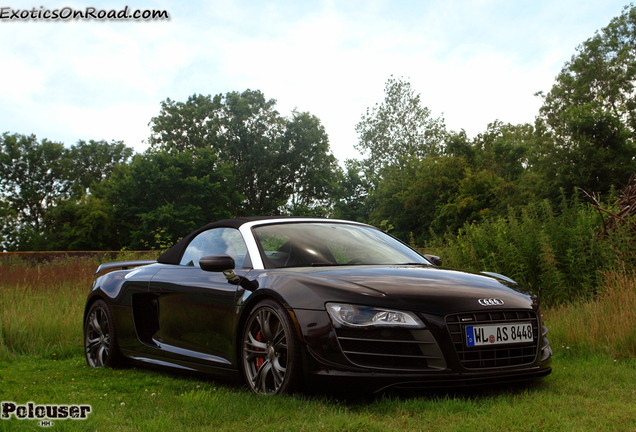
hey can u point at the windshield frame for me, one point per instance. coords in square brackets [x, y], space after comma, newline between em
[404, 253]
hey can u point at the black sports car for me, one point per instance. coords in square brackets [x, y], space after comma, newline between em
[293, 302]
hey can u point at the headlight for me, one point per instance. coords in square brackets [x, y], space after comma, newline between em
[369, 316]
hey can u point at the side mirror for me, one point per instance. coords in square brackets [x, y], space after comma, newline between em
[216, 263]
[434, 259]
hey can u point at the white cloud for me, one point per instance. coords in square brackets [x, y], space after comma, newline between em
[474, 61]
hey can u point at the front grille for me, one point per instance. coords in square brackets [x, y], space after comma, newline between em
[390, 348]
[491, 356]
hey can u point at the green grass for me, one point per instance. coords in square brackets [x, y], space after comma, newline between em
[583, 393]
[593, 386]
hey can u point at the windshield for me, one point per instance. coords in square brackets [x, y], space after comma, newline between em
[329, 244]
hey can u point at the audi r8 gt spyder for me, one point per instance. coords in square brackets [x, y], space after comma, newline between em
[291, 303]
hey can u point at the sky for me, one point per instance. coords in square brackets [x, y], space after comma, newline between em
[471, 61]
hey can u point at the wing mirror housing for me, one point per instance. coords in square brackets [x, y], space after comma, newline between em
[217, 263]
[434, 259]
[225, 264]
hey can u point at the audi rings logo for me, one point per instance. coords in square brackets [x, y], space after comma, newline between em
[491, 302]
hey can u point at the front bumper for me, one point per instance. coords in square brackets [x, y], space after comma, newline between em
[377, 382]
[428, 358]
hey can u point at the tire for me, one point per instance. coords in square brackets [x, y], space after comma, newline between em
[270, 351]
[100, 340]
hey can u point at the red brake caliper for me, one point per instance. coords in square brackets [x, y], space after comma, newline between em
[260, 360]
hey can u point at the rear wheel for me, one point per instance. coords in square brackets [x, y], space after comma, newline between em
[100, 341]
[270, 350]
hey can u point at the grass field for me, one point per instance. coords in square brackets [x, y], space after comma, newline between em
[592, 387]
[589, 393]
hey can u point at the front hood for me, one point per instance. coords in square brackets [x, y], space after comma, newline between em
[418, 288]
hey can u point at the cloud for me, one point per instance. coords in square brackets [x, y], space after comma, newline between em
[475, 61]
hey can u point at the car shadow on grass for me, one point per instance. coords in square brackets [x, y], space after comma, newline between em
[353, 395]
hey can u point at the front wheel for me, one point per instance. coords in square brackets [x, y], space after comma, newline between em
[100, 342]
[270, 350]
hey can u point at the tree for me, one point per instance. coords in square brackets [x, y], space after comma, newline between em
[189, 125]
[276, 161]
[352, 193]
[84, 224]
[44, 186]
[399, 129]
[477, 197]
[311, 170]
[410, 197]
[503, 149]
[591, 112]
[33, 177]
[94, 161]
[458, 145]
[168, 195]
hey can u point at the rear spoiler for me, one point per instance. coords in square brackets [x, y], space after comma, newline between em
[123, 265]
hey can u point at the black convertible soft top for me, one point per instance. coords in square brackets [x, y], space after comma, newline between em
[174, 254]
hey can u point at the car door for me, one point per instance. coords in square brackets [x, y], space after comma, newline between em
[196, 308]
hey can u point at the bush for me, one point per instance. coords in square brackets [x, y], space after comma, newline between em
[557, 254]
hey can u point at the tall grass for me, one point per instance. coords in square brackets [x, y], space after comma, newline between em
[42, 304]
[41, 307]
[605, 324]
[559, 256]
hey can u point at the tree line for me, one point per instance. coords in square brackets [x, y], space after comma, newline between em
[234, 154]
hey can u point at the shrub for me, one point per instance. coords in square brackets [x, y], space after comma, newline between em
[558, 255]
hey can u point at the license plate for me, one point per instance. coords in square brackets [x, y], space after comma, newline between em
[499, 334]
